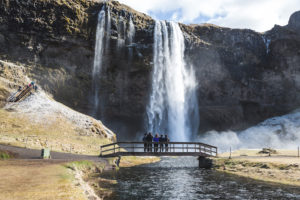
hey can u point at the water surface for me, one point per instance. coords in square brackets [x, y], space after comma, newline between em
[180, 178]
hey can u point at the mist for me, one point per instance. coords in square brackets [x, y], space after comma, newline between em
[281, 132]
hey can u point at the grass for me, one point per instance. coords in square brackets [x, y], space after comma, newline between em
[255, 152]
[59, 135]
[3, 95]
[282, 168]
[130, 161]
[81, 165]
[6, 155]
[34, 180]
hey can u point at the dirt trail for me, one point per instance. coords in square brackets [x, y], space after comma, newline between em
[24, 153]
[38, 178]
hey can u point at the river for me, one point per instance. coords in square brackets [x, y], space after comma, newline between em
[180, 178]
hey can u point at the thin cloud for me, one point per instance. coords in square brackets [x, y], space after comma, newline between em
[260, 15]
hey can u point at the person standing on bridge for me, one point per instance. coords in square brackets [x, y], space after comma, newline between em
[149, 141]
[145, 142]
[161, 143]
[156, 140]
[166, 140]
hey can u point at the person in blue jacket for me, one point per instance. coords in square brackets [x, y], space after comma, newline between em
[156, 140]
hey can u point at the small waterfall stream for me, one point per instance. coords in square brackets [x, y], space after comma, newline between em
[267, 43]
[131, 31]
[173, 107]
[102, 43]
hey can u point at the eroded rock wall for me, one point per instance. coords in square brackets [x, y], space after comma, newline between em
[243, 76]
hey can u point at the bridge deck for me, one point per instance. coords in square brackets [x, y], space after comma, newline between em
[158, 149]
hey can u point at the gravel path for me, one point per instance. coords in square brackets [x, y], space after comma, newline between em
[24, 153]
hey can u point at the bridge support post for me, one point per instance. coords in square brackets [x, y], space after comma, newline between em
[205, 163]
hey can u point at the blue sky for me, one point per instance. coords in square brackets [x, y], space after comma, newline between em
[260, 15]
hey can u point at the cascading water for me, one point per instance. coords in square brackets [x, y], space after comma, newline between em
[131, 31]
[121, 32]
[267, 43]
[103, 29]
[130, 38]
[173, 107]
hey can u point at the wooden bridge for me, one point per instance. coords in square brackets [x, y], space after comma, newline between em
[149, 149]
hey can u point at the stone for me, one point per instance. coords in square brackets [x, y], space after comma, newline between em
[241, 80]
[205, 163]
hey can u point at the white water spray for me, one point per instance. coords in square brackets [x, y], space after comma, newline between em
[278, 132]
[173, 107]
[103, 28]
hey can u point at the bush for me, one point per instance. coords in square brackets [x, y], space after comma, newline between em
[6, 155]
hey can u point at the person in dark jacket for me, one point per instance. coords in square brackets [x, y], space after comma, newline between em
[156, 141]
[149, 141]
[161, 143]
[166, 140]
[145, 142]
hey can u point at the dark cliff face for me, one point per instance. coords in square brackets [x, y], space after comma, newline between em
[243, 76]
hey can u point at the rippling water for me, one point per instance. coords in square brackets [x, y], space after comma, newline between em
[180, 178]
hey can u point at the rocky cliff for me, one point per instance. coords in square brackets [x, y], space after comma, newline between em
[243, 76]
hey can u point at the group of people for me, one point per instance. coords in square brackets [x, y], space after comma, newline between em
[161, 141]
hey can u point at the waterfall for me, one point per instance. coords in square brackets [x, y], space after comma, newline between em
[131, 31]
[130, 38]
[103, 29]
[173, 107]
[121, 32]
[267, 43]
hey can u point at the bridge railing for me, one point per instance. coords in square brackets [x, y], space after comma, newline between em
[162, 148]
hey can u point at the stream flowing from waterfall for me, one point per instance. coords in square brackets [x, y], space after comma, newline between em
[173, 107]
[180, 178]
[102, 32]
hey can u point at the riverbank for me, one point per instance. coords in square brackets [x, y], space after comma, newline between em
[102, 185]
[66, 176]
[52, 179]
[37, 179]
[282, 167]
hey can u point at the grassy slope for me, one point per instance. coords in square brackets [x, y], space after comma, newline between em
[282, 168]
[18, 130]
[35, 180]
